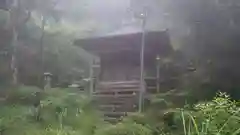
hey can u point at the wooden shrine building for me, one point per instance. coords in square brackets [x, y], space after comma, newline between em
[119, 77]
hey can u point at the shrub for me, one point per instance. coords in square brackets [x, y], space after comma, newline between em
[24, 95]
[137, 118]
[221, 116]
[147, 120]
[66, 108]
[14, 118]
[124, 129]
[62, 112]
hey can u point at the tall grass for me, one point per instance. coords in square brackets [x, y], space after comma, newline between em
[61, 112]
[202, 128]
[221, 116]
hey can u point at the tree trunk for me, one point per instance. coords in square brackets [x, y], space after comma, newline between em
[14, 59]
[13, 23]
[41, 78]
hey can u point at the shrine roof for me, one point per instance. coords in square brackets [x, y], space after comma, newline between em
[127, 40]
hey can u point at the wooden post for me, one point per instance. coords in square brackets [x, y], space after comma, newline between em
[158, 73]
[142, 80]
[91, 78]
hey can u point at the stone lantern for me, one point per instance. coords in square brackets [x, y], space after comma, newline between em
[47, 80]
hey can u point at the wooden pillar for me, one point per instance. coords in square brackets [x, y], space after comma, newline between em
[142, 79]
[91, 78]
[158, 73]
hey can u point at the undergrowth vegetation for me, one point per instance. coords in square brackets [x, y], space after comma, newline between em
[221, 116]
[55, 112]
[30, 111]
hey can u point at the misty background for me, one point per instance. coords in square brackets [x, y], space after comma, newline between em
[204, 35]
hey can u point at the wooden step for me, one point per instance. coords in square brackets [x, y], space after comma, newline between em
[119, 99]
[115, 99]
[112, 100]
[116, 102]
[152, 87]
[119, 96]
[119, 83]
[150, 78]
[115, 114]
[118, 108]
[112, 120]
[115, 88]
[116, 85]
[113, 91]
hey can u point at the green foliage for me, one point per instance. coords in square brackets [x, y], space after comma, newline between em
[61, 57]
[67, 108]
[149, 120]
[60, 112]
[124, 129]
[221, 116]
[137, 118]
[67, 112]
[22, 95]
[12, 116]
